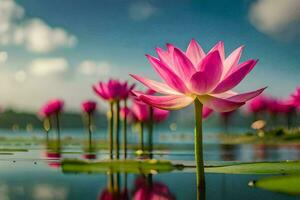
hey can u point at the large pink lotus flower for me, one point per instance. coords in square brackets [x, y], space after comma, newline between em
[205, 79]
[113, 90]
[89, 106]
[195, 74]
[295, 98]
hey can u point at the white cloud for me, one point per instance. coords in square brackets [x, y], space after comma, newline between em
[141, 10]
[3, 56]
[94, 68]
[277, 18]
[35, 34]
[46, 78]
[48, 66]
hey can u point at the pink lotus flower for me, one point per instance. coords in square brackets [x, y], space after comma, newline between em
[51, 107]
[203, 79]
[125, 112]
[276, 106]
[295, 98]
[285, 107]
[89, 106]
[113, 90]
[258, 104]
[140, 112]
[206, 112]
[194, 74]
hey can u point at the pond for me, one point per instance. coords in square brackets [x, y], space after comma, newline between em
[28, 172]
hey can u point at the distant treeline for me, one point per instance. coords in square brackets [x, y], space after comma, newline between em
[24, 120]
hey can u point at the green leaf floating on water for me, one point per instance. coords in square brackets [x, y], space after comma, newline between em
[158, 166]
[284, 167]
[125, 166]
[283, 184]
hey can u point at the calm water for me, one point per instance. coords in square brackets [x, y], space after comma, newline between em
[30, 175]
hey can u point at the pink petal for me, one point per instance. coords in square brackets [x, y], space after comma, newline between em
[225, 95]
[218, 104]
[211, 70]
[167, 75]
[165, 56]
[220, 47]
[169, 102]
[101, 90]
[184, 67]
[236, 77]
[246, 96]
[156, 86]
[232, 60]
[194, 52]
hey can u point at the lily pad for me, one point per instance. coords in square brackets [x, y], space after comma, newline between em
[282, 184]
[112, 166]
[284, 167]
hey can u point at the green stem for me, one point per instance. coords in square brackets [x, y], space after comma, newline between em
[125, 130]
[58, 128]
[142, 136]
[90, 130]
[118, 130]
[199, 151]
[150, 130]
[46, 120]
[111, 129]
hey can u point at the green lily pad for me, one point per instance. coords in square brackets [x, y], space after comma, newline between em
[282, 184]
[13, 150]
[284, 167]
[114, 166]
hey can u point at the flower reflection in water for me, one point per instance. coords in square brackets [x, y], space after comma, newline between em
[146, 189]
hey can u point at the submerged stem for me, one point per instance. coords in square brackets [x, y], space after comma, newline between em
[90, 130]
[199, 151]
[111, 129]
[58, 128]
[125, 130]
[150, 130]
[118, 130]
[142, 136]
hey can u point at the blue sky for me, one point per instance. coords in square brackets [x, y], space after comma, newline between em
[70, 44]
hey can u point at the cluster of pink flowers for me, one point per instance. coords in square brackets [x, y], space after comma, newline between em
[275, 107]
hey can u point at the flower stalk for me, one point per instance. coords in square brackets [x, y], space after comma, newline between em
[142, 136]
[125, 131]
[150, 131]
[89, 120]
[199, 150]
[111, 128]
[57, 127]
[117, 129]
